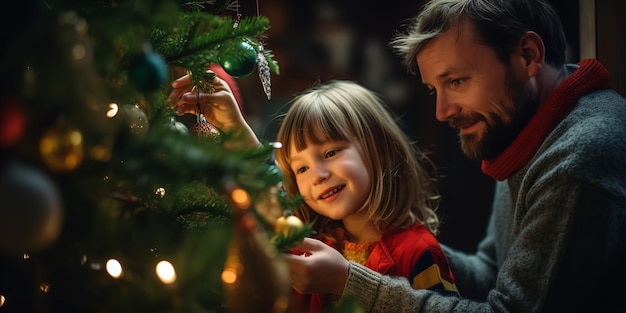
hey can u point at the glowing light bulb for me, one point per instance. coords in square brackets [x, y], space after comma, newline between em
[229, 275]
[44, 287]
[114, 268]
[165, 271]
[160, 192]
[113, 109]
[241, 198]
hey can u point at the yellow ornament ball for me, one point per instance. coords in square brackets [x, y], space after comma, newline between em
[61, 147]
[288, 224]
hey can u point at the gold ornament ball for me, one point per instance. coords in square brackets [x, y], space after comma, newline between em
[288, 224]
[61, 148]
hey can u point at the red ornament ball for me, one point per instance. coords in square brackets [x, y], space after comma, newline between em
[204, 129]
[12, 121]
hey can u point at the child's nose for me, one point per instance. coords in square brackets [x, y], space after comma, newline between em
[321, 174]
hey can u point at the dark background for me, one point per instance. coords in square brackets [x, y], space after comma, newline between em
[348, 39]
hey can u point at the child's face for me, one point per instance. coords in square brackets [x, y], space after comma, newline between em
[331, 177]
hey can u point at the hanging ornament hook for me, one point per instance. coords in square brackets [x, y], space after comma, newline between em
[199, 115]
[237, 16]
[203, 128]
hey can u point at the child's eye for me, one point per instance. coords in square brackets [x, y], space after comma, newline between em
[330, 153]
[300, 170]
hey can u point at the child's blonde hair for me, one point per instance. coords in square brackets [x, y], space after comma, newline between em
[402, 190]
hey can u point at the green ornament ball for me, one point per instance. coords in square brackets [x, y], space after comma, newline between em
[238, 60]
[147, 71]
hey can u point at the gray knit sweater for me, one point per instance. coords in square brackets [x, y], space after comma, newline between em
[556, 239]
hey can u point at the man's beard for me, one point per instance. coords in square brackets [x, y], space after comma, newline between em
[500, 134]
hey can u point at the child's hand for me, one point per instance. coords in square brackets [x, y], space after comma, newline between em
[220, 107]
[315, 267]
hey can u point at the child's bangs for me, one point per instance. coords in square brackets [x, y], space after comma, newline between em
[319, 124]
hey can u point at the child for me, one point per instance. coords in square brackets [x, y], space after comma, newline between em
[365, 190]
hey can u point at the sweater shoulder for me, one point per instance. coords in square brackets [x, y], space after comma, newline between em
[594, 128]
[589, 142]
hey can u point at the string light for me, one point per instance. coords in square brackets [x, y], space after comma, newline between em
[113, 109]
[229, 276]
[114, 268]
[160, 192]
[44, 287]
[241, 198]
[165, 271]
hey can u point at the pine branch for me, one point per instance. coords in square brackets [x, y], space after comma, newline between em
[197, 42]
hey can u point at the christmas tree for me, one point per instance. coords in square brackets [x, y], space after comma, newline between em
[110, 203]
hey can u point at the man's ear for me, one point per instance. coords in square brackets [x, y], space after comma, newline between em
[532, 52]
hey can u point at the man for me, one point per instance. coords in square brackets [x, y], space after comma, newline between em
[551, 134]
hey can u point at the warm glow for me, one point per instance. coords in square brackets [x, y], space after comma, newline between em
[241, 198]
[44, 287]
[229, 276]
[100, 153]
[160, 192]
[79, 52]
[81, 26]
[75, 137]
[114, 268]
[166, 272]
[113, 109]
[2, 300]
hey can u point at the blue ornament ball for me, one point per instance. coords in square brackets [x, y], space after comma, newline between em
[238, 60]
[31, 214]
[148, 71]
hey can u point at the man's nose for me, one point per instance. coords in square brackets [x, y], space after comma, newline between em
[445, 108]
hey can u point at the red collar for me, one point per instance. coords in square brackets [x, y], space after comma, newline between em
[590, 76]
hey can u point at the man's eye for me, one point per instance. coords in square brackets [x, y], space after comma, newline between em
[456, 82]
